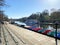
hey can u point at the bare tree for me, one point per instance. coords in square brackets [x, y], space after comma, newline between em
[2, 15]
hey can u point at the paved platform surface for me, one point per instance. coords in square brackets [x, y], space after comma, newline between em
[14, 35]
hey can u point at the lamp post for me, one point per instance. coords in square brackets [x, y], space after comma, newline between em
[56, 25]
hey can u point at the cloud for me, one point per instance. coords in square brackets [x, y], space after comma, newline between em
[51, 3]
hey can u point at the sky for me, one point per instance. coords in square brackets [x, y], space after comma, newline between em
[24, 8]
